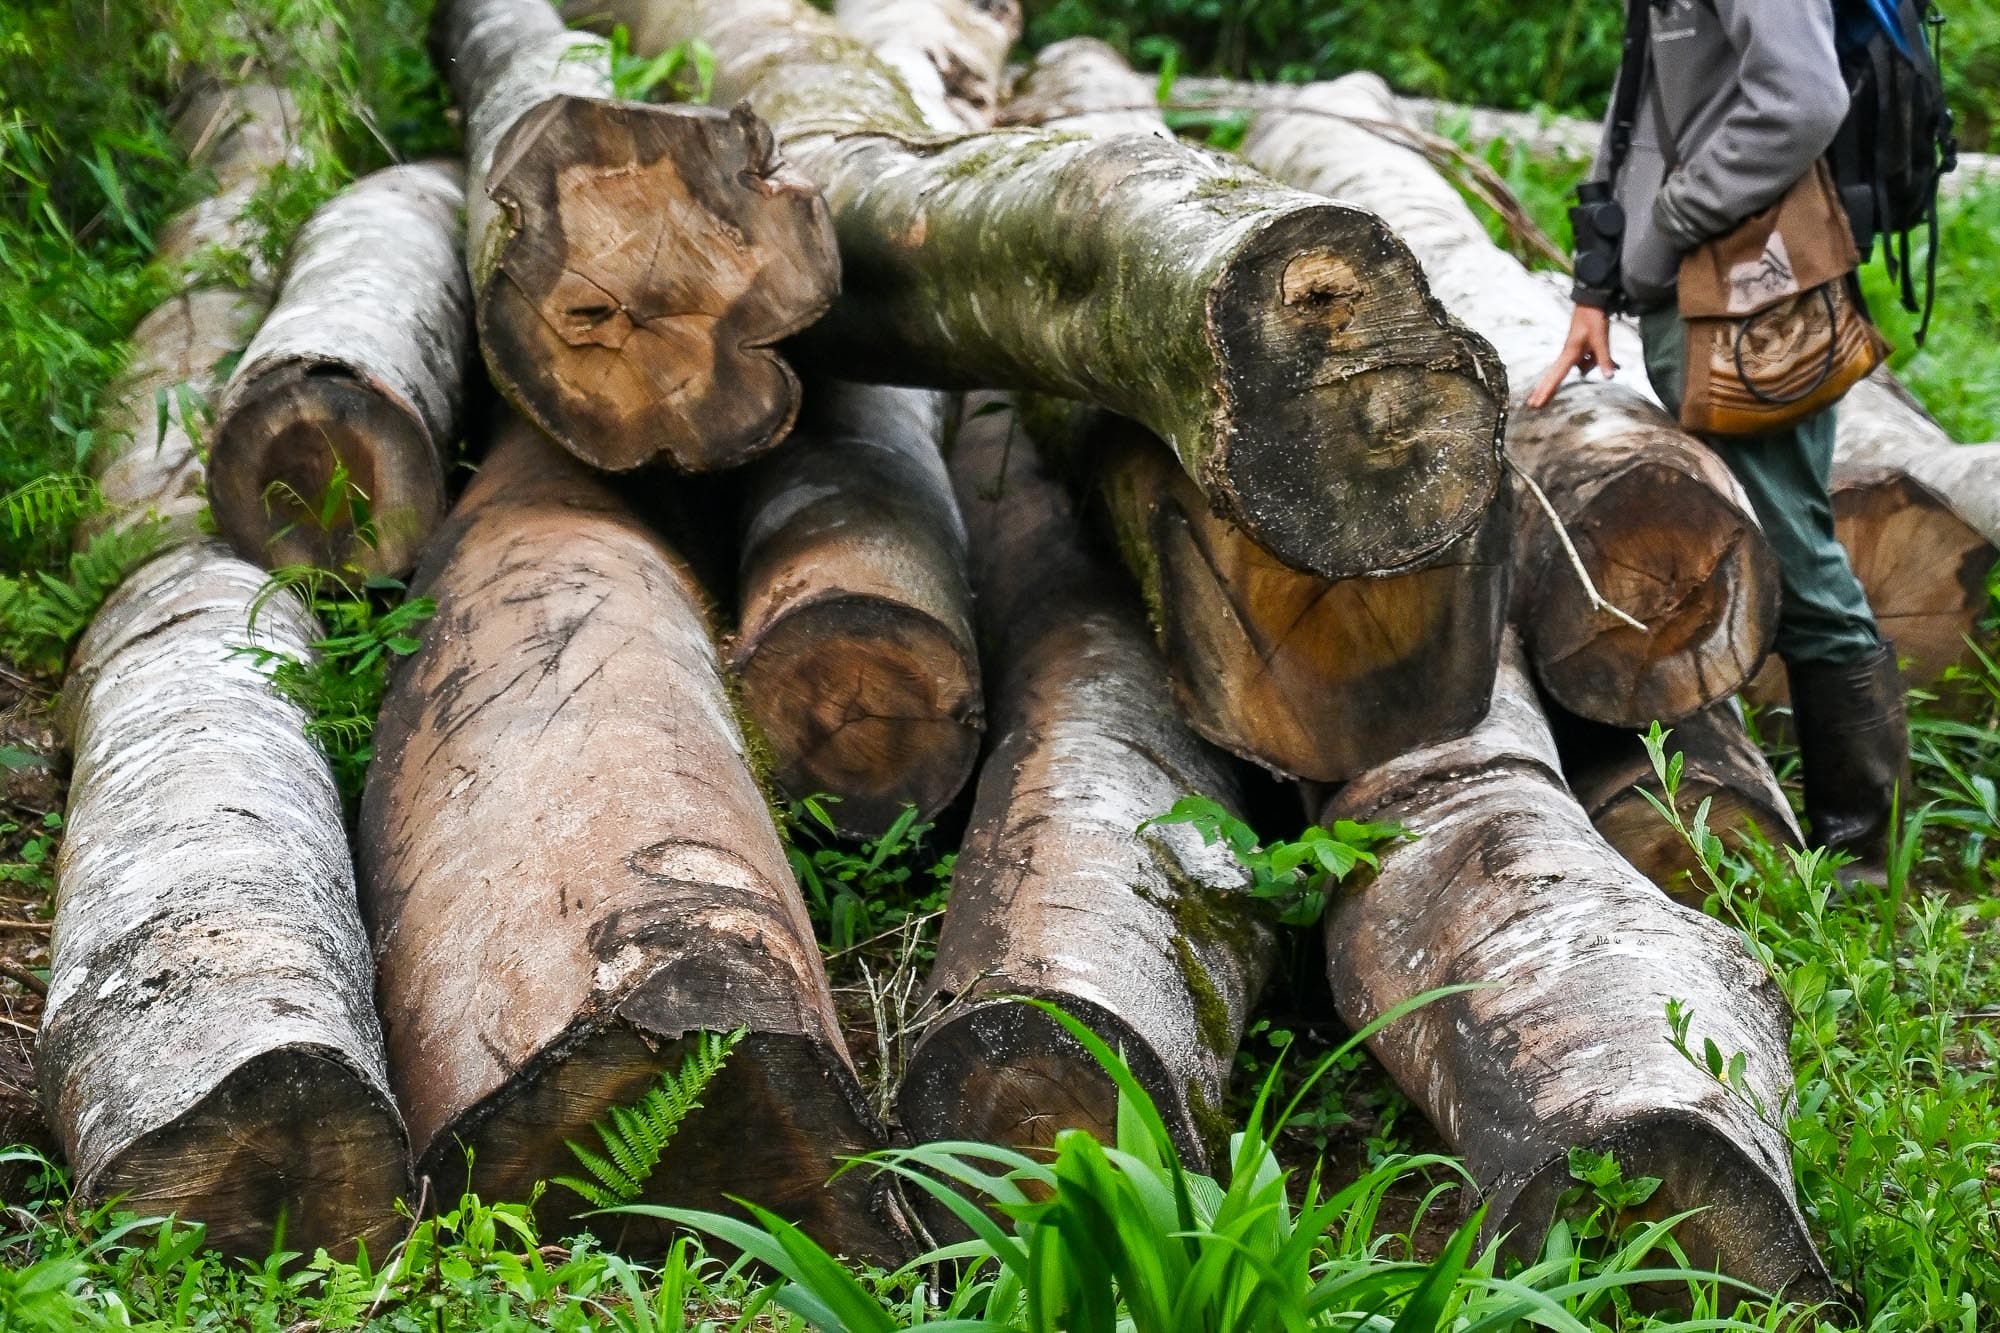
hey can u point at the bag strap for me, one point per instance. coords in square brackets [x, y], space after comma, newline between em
[1632, 71]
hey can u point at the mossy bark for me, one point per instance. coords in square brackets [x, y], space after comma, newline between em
[542, 961]
[632, 264]
[950, 54]
[1662, 527]
[1564, 1040]
[1286, 347]
[1148, 936]
[357, 373]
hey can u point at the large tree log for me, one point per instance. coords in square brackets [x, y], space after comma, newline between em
[1309, 677]
[1148, 937]
[632, 265]
[1664, 530]
[1920, 518]
[950, 54]
[210, 1045]
[569, 869]
[1566, 1041]
[1609, 772]
[151, 468]
[854, 642]
[357, 374]
[1286, 347]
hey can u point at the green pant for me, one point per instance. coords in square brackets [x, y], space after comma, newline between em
[1824, 615]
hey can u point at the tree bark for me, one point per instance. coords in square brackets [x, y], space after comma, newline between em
[950, 54]
[1311, 678]
[632, 265]
[357, 373]
[152, 469]
[1608, 770]
[854, 644]
[1920, 517]
[1148, 937]
[210, 1045]
[1287, 348]
[1662, 527]
[1566, 1042]
[542, 962]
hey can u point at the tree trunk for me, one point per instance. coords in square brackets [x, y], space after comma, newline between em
[1664, 530]
[1920, 518]
[1566, 1042]
[357, 375]
[210, 1046]
[950, 54]
[1309, 677]
[1608, 770]
[1287, 348]
[569, 869]
[152, 470]
[632, 265]
[1148, 937]
[854, 644]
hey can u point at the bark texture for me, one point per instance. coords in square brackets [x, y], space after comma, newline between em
[1309, 677]
[1664, 530]
[855, 647]
[357, 373]
[210, 1045]
[542, 960]
[152, 468]
[949, 53]
[632, 265]
[1920, 517]
[1285, 347]
[1608, 770]
[1566, 1043]
[1148, 937]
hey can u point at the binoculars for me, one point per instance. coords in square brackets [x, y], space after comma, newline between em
[1599, 225]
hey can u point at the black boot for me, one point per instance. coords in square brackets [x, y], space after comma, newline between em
[1854, 745]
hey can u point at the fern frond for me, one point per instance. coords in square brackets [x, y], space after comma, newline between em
[635, 1136]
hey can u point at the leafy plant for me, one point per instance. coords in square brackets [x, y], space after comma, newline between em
[1294, 877]
[635, 77]
[856, 894]
[42, 612]
[340, 686]
[634, 1136]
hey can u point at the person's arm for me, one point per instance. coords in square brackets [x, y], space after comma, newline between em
[1791, 104]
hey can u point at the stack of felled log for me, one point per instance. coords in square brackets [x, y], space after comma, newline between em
[1062, 454]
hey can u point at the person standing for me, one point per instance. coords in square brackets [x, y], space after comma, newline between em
[1737, 100]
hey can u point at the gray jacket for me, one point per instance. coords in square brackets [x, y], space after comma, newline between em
[1754, 93]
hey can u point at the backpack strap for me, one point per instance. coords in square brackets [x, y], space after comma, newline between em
[1632, 70]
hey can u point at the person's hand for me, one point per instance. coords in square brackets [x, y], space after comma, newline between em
[1587, 348]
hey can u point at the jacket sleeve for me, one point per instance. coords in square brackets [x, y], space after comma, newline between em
[1790, 104]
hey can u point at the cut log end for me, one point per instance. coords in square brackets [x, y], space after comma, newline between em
[1702, 1172]
[293, 1134]
[1322, 679]
[656, 255]
[869, 699]
[1668, 549]
[317, 468]
[1923, 566]
[1005, 1072]
[805, 1126]
[1365, 467]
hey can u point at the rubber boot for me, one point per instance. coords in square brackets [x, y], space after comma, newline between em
[1854, 746]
